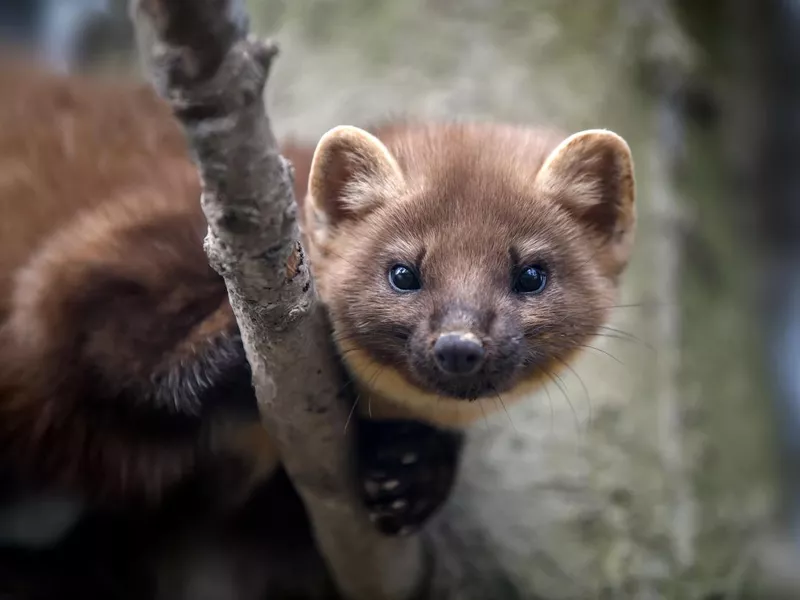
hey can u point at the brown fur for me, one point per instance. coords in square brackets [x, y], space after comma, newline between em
[109, 293]
[466, 204]
[106, 284]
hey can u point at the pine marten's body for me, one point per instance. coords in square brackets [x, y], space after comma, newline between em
[461, 265]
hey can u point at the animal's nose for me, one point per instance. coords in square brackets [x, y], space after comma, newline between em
[458, 353]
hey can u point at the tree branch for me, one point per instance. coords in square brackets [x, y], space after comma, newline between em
[201, 60]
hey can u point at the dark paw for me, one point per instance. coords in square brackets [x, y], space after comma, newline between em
[406, 471]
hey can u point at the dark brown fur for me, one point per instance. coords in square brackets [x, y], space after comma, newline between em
[118, 346]
[115, 334]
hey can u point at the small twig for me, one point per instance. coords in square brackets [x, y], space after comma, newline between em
[201, 60]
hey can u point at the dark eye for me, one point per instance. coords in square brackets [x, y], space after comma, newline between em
[403, 279]
[531, 280]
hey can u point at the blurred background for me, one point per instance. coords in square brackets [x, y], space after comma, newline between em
[666, 464]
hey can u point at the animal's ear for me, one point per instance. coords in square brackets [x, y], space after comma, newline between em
[352, 172]
[591, 174]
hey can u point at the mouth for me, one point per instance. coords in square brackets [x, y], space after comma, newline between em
[468, 391]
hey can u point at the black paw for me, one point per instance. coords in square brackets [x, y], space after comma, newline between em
[406, 470]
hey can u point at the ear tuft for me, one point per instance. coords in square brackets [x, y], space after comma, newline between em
[352, 172]
[591, 173]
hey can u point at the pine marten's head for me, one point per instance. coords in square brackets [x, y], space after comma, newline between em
[465, 262]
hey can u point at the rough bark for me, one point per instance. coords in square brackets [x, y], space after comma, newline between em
[200, 58]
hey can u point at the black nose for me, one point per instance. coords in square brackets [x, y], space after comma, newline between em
[458, 353]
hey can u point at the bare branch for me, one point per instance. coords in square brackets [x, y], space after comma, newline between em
[201, 60]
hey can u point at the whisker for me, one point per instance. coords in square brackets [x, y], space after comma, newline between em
[496, 405]
[601, 351]
[483, 410]
[566, 397]
[552, 410]
[603, 308]
[573, 344]
[371, 380]
[508, 414]
[612, 336]
[352, 410]
[622, 333]
[583, 385]
[350, 381]
[574, 412]
[550, 328]
[642, 304]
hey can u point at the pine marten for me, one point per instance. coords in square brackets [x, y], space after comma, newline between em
[461, 265]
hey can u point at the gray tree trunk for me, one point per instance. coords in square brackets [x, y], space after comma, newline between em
[649, 472]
